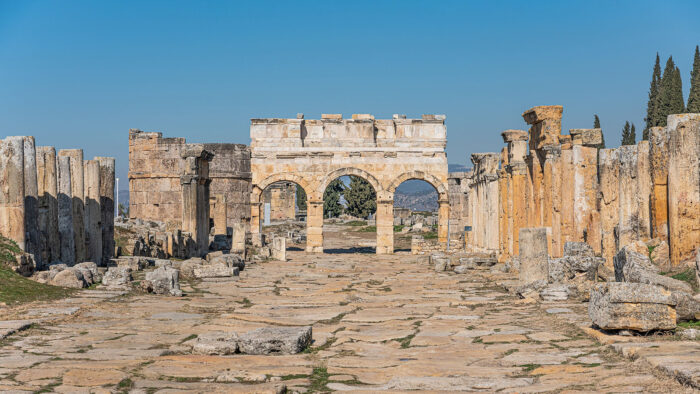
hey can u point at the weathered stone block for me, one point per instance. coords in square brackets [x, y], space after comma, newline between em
[275, 340]
[631, 306]
[534, 255]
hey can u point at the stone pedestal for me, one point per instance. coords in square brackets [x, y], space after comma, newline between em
[78, 198]
[385, 226]
[238, 239]
[12, 223]
[279, 249]
[195, 195]
[314, 226]
[107, 206]
[48, 202]
[534, 255]
[93, 212]
[65, 211]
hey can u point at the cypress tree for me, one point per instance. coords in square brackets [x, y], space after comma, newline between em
[625, 134]
[331, 199]
[678, 104]
[694, 95]
[596, 122]
[652, 104]
[360, 197]
[670, 93]
[301, 198]
[633, 136]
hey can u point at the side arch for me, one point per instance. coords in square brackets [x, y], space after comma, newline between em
[279, 177]
[423, 176]
[351, 171]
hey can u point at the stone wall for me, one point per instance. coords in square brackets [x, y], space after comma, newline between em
[282, 199]
[608, 198]
[155, 168]
[52, 205]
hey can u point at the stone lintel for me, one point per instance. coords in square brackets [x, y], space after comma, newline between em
[542, 112]
[514, 135]
[586, 137]
[565, 141]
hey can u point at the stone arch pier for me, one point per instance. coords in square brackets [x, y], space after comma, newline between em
[313, 152]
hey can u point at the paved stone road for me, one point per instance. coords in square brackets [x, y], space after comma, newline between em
[379, 323]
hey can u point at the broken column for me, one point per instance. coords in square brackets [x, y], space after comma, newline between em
[77, 189]
[608, 204]
[485, 183]
[566, 176]
[628, 206]
[65, 211]
[658, 141]
[314, 225]
[683, 186]
[279, 249]
[31, 204]
[534, 255]
[585, 185]
[517, 172]
[93, 212]
[385, 226]
[47, 189]
[195, 195]
[12, 190]
[643, 190]
[107, 206]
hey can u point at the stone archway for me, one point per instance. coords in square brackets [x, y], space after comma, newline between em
[312, 153]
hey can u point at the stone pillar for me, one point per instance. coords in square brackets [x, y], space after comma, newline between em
[238, 239]
[608, 203]
[683, 186]
[485, 181]
[279, 248]
[385, 226]
[218, 213]
[552, 194]
[644, 190]
[12, 190]
[31, 203]
[107, 206]
[255, 223]
[567, 191]
[443, 219]
[585, 185]
[658, 141]
[47, 191]
[314, 226]
[517, 170]
[629, 207]
[534, 255]
[195, 195]
[65, 211]
[78, 189]
[93, 212]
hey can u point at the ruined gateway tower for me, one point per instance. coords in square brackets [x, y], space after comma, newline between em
[314, 152]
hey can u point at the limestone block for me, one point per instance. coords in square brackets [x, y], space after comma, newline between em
[533, 255]
[546, 125]
[69, 277]
[279, 249]
[214, 271]
[162, 280]
[31, 203]
[65, 211]
[631, 306]
[684, 186]
[107, 206]
[77, 174]
[12, 190]
[608, 201]
[93, 212]
[586, 137]
[48, 203]
[117, 277]
[658, 162]
[275, 340]
[628, 225]
[585, 188]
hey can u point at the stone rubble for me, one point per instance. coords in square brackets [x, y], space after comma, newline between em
[632, 306]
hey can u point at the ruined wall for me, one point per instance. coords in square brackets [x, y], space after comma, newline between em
[608, 198]
[155, 167]
[458, 191]
[282, 199]
[44, 198]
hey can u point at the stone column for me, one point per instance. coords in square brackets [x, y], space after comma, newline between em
[552, 200]
[585, 185]
[255, 223]
[12, 190]
[47, 191]
[534, 255]
[608, 174]
[31, 203]
[219, 213]
[443, 220]
[385, 226]
[78, 190]
[567, 190]
[314, 226]
[517, 170]
[195, 195]
[683, 186]
[629, 207]
[107, 206]
[644, 190]
[93, 212]
[65, 211]
[658, 141]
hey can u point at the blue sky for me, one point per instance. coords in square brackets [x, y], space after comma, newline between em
[81, 73]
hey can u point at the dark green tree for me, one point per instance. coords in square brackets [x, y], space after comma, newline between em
[627, 135]
[652, 105]
[694, 95]
[596, 122]
[331, 199]
[301, 198]
[670, 93]
[360, 197]
[633, 136]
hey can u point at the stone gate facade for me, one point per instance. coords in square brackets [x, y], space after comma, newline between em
[385, 152]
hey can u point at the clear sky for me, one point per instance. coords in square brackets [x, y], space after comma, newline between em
[79, 74]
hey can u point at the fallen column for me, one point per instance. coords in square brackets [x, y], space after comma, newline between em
[12, 190]
[48, 203]
[65, 211]
[107, 206]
